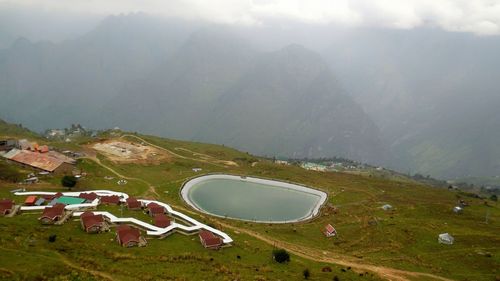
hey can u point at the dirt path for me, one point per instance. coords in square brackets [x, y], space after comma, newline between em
[66, 261]
[208, 157]
[151, 187]
[71, 264]
[328, 257]
[215, 161]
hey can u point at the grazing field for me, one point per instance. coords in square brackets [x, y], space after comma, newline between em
[372, 244]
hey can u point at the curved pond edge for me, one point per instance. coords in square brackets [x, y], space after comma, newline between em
[186, 186]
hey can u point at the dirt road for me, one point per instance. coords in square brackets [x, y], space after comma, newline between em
[204, 159]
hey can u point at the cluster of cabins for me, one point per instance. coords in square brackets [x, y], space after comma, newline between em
[35, 156]
[55, 212]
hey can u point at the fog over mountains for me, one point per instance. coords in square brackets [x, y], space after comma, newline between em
[419, 100]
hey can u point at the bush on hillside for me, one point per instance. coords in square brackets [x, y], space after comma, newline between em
[306, 273]
[281, 256]
[68, 181]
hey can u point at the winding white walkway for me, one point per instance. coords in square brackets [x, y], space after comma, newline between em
[151, 229]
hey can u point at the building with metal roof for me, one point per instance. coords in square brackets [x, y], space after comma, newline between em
[41, 161]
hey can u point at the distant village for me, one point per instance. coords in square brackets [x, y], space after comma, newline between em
[335, 164]
[68, 134]
[339, 164]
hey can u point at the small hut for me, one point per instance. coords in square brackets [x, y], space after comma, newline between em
[133, 203]
[458, 209]
[161, 220]
[128, 236]
[329, 231]
[92, 223]
[52, 214]
[155, 209]
[387, 207]
[110, 200]
[210, 240]
[446, 238]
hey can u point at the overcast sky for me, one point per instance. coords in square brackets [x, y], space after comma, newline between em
[481, 17]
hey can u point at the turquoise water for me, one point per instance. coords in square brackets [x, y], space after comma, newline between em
[244, 200]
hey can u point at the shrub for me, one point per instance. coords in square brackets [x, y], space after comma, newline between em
[494, 197]
[68, 181]
[306, 273]
[281, 256]
[52, 238]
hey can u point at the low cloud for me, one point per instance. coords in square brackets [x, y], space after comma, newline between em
[481, 17]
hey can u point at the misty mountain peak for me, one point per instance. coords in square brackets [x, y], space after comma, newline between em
[21, 43]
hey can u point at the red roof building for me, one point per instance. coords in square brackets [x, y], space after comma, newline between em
[210, 240]
[108, 200]
[6, 207]
[52, 214]
[128, 236]
[155, 209]
[52, 197]
[30, 200]
[161, 220]
[92, 223]
[91, 196]
[329, 231]
[133, 204]
[86, 214]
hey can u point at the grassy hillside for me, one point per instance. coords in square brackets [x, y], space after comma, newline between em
[12, 130]
[372, 243]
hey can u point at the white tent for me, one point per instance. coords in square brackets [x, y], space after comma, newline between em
[445, 238]
[387, 207]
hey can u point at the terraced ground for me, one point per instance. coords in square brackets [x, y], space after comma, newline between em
[372, 244]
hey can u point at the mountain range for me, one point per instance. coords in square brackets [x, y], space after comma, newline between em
[419, 101]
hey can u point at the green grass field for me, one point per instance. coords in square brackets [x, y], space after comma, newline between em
[404, 238]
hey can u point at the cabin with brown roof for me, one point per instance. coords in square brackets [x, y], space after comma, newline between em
[329, 231]
[133, 204]
[110, 200]
[128, 236]
[52, 214]
[6, 207]
[52, 197]
[210, 240]
[91, 196]
[154, 209]
[161, 220]
[92, 223]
